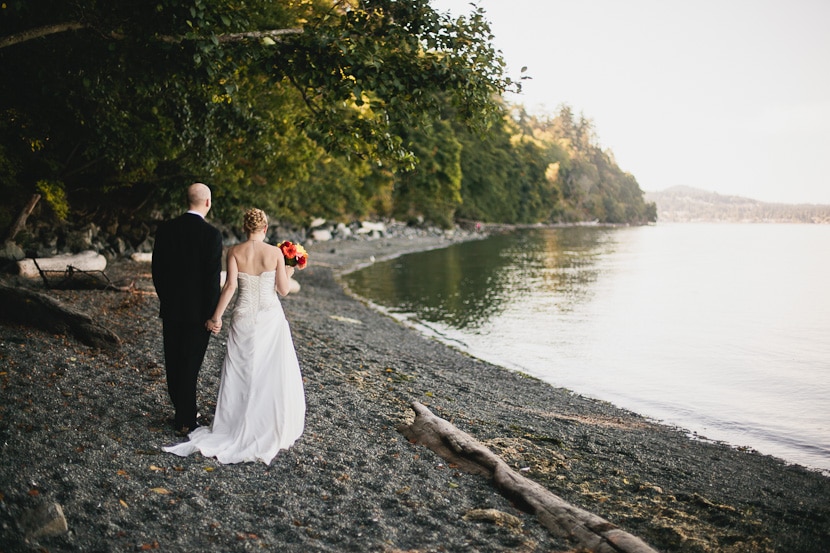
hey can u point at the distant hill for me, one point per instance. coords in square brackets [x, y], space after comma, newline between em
[684, 204]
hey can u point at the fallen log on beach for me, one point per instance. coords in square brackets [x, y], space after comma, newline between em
[83, 261]
[587, 530]
[19, 305]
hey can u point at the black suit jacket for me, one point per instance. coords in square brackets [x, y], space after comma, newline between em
[187, 262]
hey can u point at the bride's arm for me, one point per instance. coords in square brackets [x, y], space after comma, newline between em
[282, 282]
[215, 323]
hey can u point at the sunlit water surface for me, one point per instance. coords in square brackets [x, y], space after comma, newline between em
[723, 330]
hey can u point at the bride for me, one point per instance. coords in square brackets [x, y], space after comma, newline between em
[261, 405]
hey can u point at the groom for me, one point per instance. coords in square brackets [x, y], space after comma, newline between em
[187, 261]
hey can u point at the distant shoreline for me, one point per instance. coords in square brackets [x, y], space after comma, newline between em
[684, 204]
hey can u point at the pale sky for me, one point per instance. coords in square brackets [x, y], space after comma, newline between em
[729, 96]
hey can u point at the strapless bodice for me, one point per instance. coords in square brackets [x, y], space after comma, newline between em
[256, 293]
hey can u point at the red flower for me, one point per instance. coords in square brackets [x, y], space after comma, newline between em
[295, 255]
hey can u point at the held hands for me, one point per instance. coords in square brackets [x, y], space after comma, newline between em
[289, 271]
[214, 325]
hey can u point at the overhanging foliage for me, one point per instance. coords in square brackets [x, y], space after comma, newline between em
[304, 108]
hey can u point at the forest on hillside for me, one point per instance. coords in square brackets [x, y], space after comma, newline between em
[684, 204]
[307, 109]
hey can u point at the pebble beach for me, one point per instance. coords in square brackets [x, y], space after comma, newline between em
[82, 428]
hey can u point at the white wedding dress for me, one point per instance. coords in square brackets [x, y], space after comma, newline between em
[261, 405]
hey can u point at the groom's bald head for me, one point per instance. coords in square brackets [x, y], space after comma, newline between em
[198, 197]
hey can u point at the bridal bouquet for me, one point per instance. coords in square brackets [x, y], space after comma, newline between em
[295, 255]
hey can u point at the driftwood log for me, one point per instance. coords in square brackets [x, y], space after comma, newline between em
[564, 520]
[23, 306]
[83, 261]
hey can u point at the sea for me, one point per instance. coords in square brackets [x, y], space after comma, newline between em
[722, 330]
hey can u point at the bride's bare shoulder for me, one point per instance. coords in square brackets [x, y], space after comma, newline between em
[274, 255]
[236, 250]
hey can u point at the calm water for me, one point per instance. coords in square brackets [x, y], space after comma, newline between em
[723, 330]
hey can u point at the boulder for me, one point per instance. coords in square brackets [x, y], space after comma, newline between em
[82, 239]
[10, 251]
[343, 231]
[321, 235]
[367, 227]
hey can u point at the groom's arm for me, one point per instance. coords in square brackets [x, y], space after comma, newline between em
[214, 269]
[160, 268]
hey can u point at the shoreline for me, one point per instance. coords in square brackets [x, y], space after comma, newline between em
[429, 332]
[83, 429]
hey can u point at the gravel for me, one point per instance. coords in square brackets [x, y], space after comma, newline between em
[83, 428]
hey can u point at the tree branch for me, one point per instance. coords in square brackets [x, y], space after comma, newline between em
[40, 32]
[272, 34]
[308, 102]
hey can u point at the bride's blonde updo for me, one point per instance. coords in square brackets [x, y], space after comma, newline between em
[254, 221]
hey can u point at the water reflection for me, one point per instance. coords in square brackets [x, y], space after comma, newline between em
[467, 285]
[720, 329]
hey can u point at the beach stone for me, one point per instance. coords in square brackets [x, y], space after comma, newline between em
[651, 489]
[44, 521]
[11, 251]
[142, 257]
[318, 222]
[368, 227]
[342, 231]
[321, 235]
[499, 518]
[46, 252]
[82, 239]
[119, 245]
[146, 246]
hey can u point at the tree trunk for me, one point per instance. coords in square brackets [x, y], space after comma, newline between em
[564, 520]
[19, 305]
[24, 214]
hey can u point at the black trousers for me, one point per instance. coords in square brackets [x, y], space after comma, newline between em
[185, 344]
